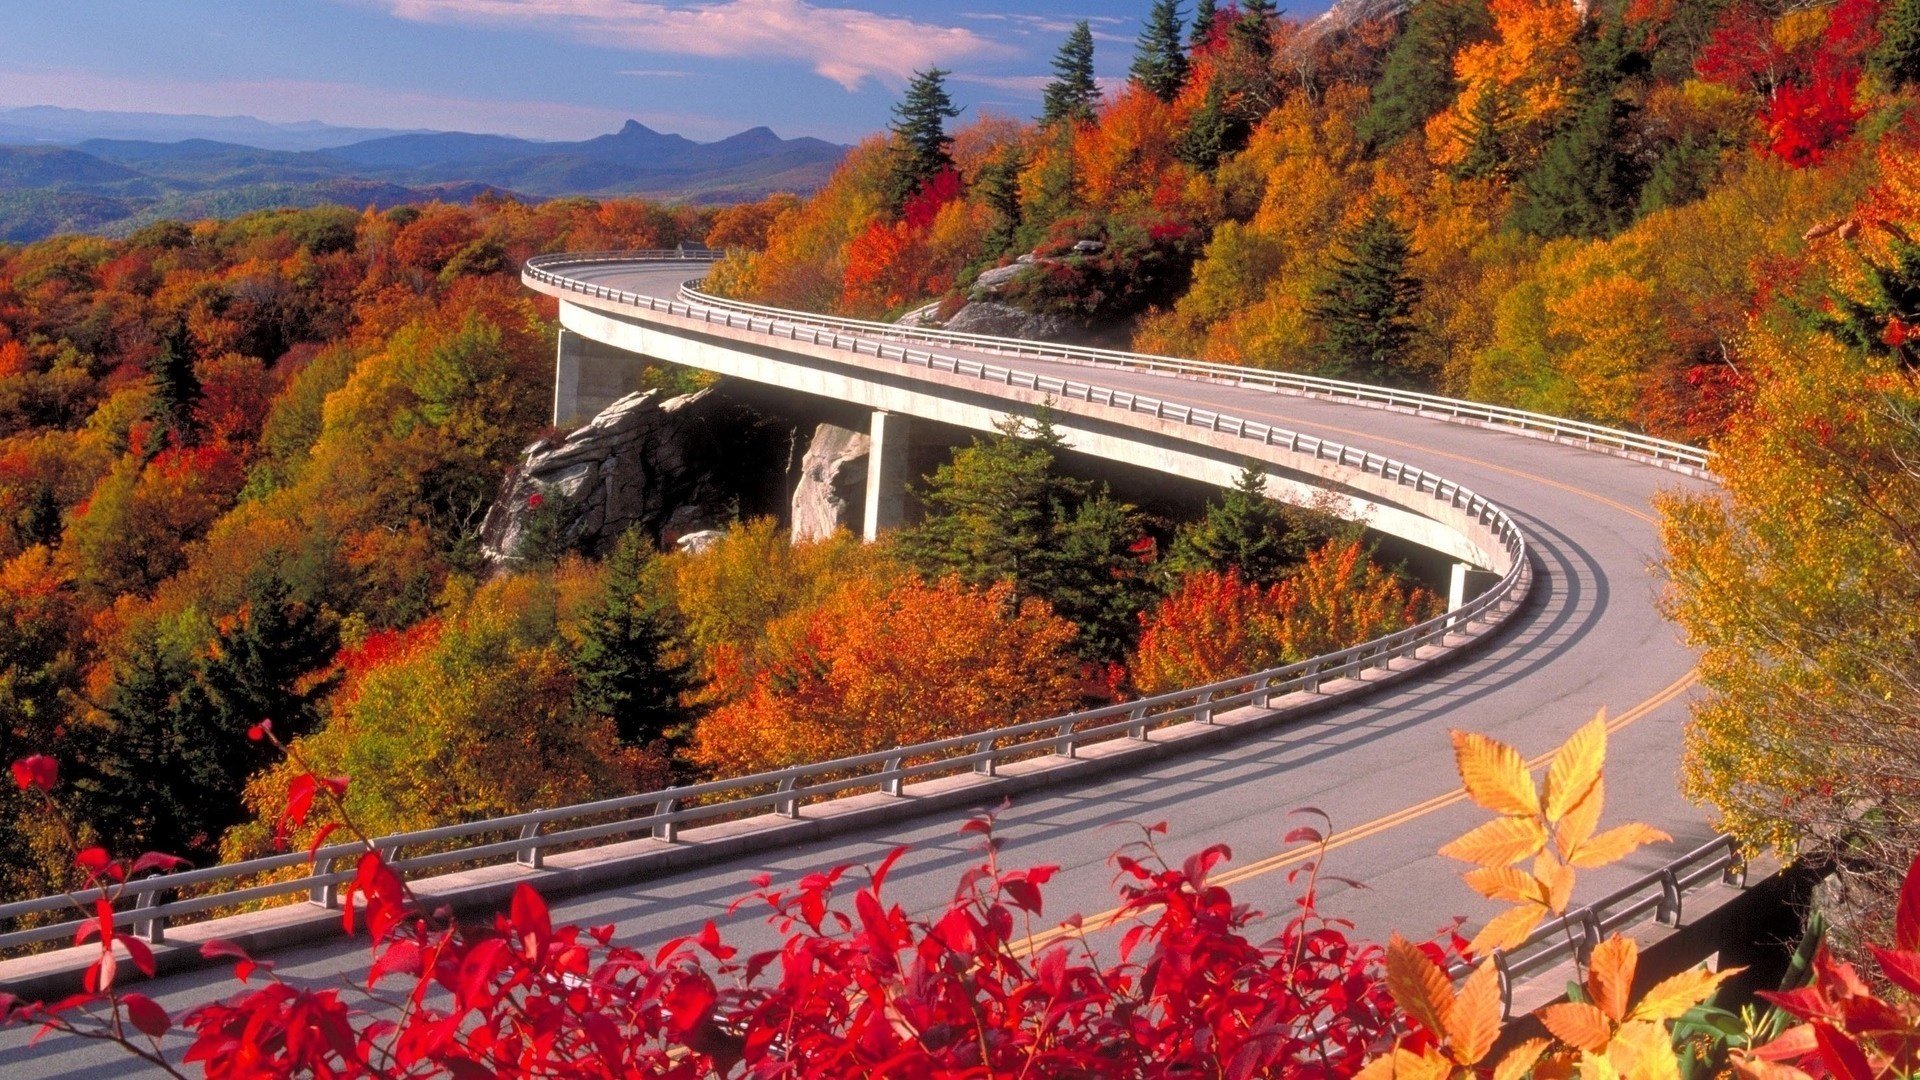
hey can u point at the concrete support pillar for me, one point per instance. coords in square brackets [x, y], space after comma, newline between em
[1457, 586]
[588, 376]
[888, 460]
[566, 380]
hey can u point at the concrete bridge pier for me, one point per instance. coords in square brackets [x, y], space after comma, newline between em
[888, 461]
[588, 376]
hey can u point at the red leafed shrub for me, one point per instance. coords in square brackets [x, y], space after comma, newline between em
[1806, 121]
[942, 188]
[859, 987]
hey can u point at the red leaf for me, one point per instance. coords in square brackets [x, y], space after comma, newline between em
[530, 922]
[38, 771]
[154, 860]
[1902, 968]
[146, 1015]
[299, 798]
[401, 956]
[92, 860]
[1308, 833]
[141, 954]
[1906, 923]
[1847, 1061]
[320, 838]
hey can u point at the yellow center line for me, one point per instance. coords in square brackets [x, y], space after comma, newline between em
[1035, 942]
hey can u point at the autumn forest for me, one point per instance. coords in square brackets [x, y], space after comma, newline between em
[244, 462]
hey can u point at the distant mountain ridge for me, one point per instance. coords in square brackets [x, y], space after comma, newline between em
[51, 124]
[105, 184]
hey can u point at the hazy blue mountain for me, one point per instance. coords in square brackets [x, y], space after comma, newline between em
[52, 124]
[116, 184]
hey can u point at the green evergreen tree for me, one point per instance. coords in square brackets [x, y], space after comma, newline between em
[999, 187]
[1417, 79]
[166, 772]
[1205, 14]
[1071, 95]
[176, 389]
[1897, 58]
[1365, 310]
[1002, 511]
[1253, 31]
[1159, 64]
[1245, 530]
[922, 149]
[1212, 133]
[1488, 156]
[629, 667]
[1585, 184]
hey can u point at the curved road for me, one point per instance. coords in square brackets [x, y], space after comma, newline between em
[1590, 638]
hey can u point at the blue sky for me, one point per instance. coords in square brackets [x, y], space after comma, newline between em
[560, 69]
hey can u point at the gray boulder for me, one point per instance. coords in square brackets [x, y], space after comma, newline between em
[831, 492]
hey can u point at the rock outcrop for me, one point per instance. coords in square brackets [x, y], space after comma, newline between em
[832, 486]
[647, 461]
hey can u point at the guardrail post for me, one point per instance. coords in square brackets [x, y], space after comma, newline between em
[1138, 728]
[1589, 934]
[1205, 715]
[985, 765]
[326, 896]
[894, 784]
[1505, 978]
[1065, 747]
[530, 856]
[153, 927]
[788, 807]
[666, 830]
[1668, 913]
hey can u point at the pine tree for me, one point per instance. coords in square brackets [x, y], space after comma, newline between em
[1417, 80]
[1254, 29]
[628, 667]
[1205, 14]
[1897, 57]
[1159, 64]
[1002, 511]
[921, 145]
[999, 186]
[1245, 530]
[1488, 156]
[1072, 93]
[1584, 185]
[1366, 308]
[1212, 133]
[176, 389]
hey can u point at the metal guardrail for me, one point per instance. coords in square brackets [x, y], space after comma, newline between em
[148, 905]
[1577, 431]
[1574, 935]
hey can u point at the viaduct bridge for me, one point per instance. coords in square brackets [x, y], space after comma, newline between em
[1553, 616]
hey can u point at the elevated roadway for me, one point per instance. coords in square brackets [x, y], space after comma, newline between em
[1588, 636]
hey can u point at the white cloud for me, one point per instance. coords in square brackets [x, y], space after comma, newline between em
[292, 100]
[845, 45]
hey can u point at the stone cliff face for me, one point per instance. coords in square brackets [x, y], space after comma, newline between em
[831, 492]
[669, 466]
[676, 468]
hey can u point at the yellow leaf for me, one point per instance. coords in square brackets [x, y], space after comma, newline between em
[1418, 986]
[1610, 975]
[1495, 775]
[1520, 1059]
[1576, 766]
[1507, 929]
[1507, 884]
[1556, 881]
[1644, 1051]
[1401, 1064]
[1673, 997]
[1597, 1067]
[1579, 1025]
[1578, 823]
[1474, 1023]
[1615, 844]
[1499, 842]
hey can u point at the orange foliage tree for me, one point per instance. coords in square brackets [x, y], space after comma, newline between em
[877, 666]
[1215, 626]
